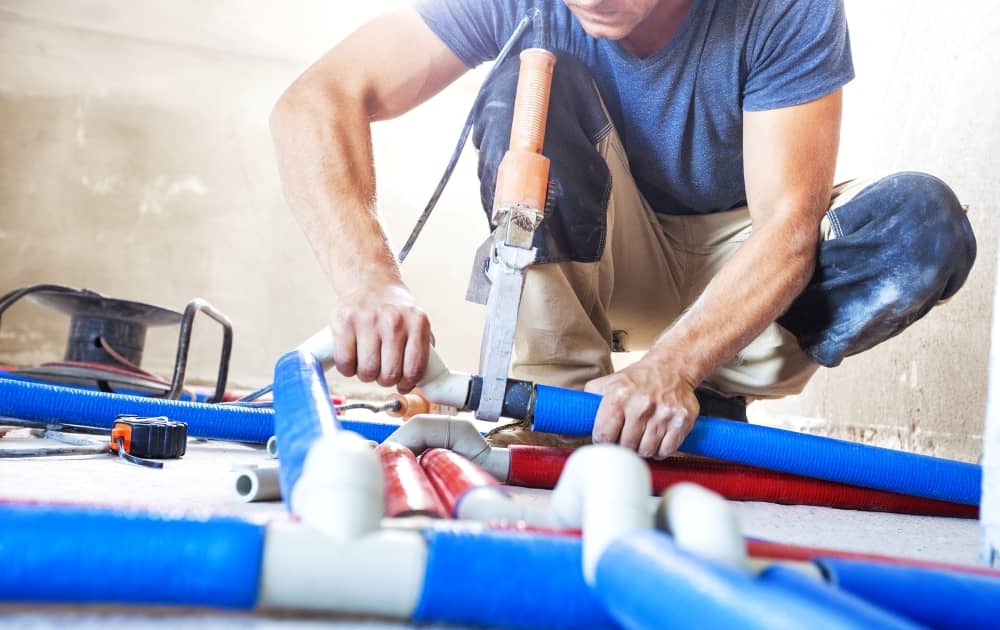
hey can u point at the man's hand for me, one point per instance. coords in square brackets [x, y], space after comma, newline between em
[322, 136]
[381, 335]
[648, 407]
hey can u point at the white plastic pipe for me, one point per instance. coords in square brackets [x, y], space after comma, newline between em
[493, 504]
[456, 434]
[702, 522]
[381, 573]
[257, 483]
[989, 511]
[272, 447]
[604, 489]
[341, 489]
[439, 385]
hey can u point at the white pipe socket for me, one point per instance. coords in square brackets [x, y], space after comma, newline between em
[703, 522]
[257, 483]
[604, 489]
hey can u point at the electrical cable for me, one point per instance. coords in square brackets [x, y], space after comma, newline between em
[252, 396]
[16, 453]
[533, 17]
[50, 426]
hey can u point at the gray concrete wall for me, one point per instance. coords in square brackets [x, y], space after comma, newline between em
[135, 160]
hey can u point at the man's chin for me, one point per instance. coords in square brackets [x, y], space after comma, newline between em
[605, 31]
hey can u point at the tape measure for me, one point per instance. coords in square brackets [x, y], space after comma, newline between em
[139, 440]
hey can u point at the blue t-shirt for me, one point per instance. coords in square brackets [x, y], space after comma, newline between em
[679, 112]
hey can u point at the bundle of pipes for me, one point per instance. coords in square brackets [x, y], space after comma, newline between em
[338, 556]
[540, 467]
[550, 409]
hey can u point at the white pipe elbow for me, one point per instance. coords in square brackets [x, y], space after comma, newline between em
[341, 489]
[427, 431]
[439, 384]
[703, 522]
[442, 386]
[604, 489]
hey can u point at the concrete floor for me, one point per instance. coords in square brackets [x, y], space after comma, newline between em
[203, 482]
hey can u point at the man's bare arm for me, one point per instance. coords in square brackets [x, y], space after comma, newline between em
[789, 160]
[322, 137]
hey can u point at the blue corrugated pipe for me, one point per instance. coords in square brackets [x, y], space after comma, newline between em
[571, 412]
[88, 556]
[507, 579]
[302, 413]
[645, 581]
[52, 403]
[932, 597]
[813, 588]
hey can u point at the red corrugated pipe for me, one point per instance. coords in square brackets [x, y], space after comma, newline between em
[408, 491]
[452, 475]
[540, 466]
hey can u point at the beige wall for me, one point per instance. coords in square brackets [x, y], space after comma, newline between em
[135, 160]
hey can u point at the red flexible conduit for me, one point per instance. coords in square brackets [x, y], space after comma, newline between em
[779, 551]
[408, 491]
[540, 467]
[452, 475]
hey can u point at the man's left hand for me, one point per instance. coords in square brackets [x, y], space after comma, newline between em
[648, 407]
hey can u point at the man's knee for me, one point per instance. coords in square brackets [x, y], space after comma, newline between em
[902, 245]
[933, 233]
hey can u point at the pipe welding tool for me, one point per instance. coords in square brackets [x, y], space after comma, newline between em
[518, 209]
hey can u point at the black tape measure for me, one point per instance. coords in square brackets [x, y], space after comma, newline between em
[141, 439]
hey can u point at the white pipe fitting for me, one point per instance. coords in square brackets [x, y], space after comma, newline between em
[427, 431]
[381, 573]
[604, 489]
[257, 483]
[341, 489]
[439, 385]
[703, 522]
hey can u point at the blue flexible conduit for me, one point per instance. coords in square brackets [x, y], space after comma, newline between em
[87, 556]
[52, 403]
[931, 597]
[570, 412]
[38, 401]
[507, 579]
[302, 413]
[645, 581]
[816, 589]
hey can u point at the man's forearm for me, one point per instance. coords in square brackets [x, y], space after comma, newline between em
[752, 289]
[323, 145]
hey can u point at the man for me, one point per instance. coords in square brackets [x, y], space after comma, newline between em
[693, 147]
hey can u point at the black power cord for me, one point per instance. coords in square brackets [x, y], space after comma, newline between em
[531, 18]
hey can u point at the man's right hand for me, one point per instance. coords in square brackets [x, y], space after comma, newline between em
[379, 334]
